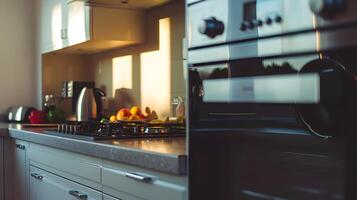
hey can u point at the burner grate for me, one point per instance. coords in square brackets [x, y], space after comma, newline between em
[121, 130]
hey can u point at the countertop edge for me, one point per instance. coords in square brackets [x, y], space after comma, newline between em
[165, 163]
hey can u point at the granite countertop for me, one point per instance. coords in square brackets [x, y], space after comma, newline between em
[167, 155]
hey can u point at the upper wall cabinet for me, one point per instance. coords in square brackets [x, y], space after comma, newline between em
[78, 27]
[78, 23]
[53, 25]
[133, 4]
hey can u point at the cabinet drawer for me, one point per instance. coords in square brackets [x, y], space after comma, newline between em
[141, 183]
[106, 197]
[122, 197]
[79, 168]
[45, 186]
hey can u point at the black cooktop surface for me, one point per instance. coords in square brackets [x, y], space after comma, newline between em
[92, 131]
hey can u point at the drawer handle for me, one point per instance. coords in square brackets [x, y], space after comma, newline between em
[20, 146]
[37, 176]
[64, 34]
[139, 177]
[78, 195]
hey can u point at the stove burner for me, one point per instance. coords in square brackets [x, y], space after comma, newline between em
[101, 131]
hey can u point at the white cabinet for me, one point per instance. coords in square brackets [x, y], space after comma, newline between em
[106, 197]
[47, 186]
[53, 25]
[119, 180]
[132, 4]
[78, 22]
[82, 169]
[77, 27]
[16, 169]
[54, 173]
[1, 168]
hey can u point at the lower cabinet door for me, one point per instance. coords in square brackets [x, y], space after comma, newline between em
[1, 168]
[47, 186]
[122, 197]
[16, 169]
[106, 197]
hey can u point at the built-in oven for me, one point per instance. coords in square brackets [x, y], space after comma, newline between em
[272, 99]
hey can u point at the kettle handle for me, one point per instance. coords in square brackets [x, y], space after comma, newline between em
[98, 92]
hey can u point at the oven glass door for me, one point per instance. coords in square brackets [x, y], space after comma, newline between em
[253, 91]
[273, 162]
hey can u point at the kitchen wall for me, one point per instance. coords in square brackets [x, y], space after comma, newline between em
[63, 67]
[152, 72]
[18, 77]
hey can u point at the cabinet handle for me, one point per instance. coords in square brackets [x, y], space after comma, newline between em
[37, 176]
[139, 177]
[78, 195]
[20, 146]
[64, 34]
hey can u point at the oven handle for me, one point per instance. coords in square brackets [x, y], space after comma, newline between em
[194, 93]
[278, 89]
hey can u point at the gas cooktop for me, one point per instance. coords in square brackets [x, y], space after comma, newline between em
[119, 130]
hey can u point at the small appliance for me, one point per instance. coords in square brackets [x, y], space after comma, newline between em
[72, 90]
[19, 113]
[89, 104]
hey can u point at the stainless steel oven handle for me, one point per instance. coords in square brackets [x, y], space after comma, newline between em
[78, 195]
[139, 177]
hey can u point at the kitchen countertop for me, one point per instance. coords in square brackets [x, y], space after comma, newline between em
[167, 155]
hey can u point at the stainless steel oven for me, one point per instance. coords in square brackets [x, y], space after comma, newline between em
[272, 99]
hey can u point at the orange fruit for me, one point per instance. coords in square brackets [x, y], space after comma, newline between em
[135, 110]
[141, 116]
[113, 118]
[134, 117]
[123, 113]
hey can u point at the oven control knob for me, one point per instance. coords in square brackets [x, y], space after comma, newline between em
[269, 21]
[211, 27]
[327, 7]
[259, 23]
[247, 25]
[278, 19]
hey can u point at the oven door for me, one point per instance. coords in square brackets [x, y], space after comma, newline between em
[224, 92]
[262, 165]
[274, 128]
[269, 92]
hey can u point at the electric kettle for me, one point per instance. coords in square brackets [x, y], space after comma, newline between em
[89, 104]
